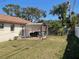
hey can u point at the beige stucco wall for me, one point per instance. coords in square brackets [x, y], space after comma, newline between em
[77, 31]
[32, 28]
[6, 34]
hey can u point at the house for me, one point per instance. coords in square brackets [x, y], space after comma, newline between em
[77, 30]
[11, 26]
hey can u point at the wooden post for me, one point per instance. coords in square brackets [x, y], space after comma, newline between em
[47, 29]
[24, 31]
[41, 33]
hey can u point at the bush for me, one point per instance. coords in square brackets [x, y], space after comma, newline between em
[9, 40]
[61, 31]
[16, 37]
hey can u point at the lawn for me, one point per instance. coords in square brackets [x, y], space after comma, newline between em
[51, 48]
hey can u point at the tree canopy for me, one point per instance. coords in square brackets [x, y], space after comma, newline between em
[61, 11]
[29, 13]
[11, 9]
[33, 13]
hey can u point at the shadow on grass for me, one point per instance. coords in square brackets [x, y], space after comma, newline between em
[72, 48]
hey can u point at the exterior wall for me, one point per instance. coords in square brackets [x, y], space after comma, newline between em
[77, 31]
[32, 28]
[6, 33]
[36, 28]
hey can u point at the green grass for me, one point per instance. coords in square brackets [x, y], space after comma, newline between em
[51, 48]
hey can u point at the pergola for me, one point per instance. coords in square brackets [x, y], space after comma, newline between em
[35, 30]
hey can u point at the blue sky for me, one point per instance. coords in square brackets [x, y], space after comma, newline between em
[41, 4]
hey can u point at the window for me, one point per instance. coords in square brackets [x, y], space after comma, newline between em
[12, 27]
[1, 25]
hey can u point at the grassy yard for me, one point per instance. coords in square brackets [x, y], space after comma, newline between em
[52, 48]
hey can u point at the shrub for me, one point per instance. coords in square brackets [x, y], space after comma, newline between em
[9, 40]
[16, 37]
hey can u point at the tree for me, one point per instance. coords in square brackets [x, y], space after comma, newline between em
[33, 13]
[11, 9]
[29, 13]
[61, 11]
[73, 20]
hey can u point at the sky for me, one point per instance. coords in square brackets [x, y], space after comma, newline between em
[41, 4]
